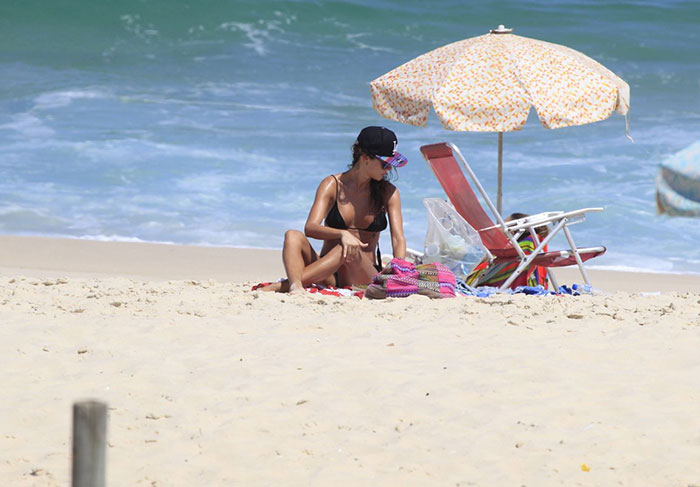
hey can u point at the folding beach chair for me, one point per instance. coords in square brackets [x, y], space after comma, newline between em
[501, 239]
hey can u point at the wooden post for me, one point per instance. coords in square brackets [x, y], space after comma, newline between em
[89, 438]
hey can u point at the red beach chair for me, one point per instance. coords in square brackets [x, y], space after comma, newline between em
[501, 239]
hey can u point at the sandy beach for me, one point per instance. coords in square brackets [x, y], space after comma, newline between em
[208, 383]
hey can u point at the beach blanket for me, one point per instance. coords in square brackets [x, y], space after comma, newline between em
[401, 278]
[341, 292]
[324, 290]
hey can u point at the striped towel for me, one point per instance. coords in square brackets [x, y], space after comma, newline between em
[401, 268]
[401, 278]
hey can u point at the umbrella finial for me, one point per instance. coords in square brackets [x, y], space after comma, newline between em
[501, 30]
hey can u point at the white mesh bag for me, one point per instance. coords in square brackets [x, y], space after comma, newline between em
[450, 240]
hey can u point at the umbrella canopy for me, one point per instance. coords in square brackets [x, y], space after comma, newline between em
[678, 183]
[489, 83]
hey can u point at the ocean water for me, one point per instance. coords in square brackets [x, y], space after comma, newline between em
[212, 122]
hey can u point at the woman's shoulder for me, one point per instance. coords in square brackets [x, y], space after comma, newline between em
[390, 186]
[329, 184]
[390, 194]
[390, 189]
[331, 179]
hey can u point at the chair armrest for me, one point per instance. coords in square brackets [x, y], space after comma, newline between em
[542, 219]
[414, 255]
[534, 221]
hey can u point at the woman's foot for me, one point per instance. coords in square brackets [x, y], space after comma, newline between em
[269, 286]
[296, 288]
[282, 286]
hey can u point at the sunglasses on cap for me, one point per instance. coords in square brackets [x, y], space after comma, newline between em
[396, 160]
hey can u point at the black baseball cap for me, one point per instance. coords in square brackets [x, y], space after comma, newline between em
[380, 142]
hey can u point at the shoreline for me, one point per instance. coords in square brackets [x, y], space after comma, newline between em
[603, 268]
[67, 257]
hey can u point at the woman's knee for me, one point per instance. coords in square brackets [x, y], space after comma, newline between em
[296, 243]
[294, 237]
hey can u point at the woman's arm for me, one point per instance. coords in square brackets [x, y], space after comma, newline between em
[314, 227]
[398, 241]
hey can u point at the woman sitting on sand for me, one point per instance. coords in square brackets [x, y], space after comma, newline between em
[353, 207]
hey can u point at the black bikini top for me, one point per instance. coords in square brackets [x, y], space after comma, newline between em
[335, 220]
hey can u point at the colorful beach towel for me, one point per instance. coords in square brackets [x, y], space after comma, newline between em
[401, 278]
[494, 275]
[325, 290]
[341, 292]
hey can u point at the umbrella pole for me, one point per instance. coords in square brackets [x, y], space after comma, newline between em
[499, 195]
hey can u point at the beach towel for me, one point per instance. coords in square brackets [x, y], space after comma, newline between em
[401, 278]
[324, 290]
[341, 292]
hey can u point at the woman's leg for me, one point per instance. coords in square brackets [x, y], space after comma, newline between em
[358, 272]
[322, 270]
[297, 253]
[304, 266]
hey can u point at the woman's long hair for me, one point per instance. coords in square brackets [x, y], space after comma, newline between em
[377, 189]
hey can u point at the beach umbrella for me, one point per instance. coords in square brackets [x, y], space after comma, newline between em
[488, 84]
[678, 183]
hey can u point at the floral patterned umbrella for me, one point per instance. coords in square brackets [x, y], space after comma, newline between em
[488, 84]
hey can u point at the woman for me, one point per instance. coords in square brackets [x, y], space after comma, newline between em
[348, 213]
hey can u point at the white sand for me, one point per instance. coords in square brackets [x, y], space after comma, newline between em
[210, 384]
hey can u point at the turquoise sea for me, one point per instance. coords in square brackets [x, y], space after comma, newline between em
[212, 122]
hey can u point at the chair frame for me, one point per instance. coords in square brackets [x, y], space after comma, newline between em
[512, 230]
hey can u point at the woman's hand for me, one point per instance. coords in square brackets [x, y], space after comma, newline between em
[352, 246]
